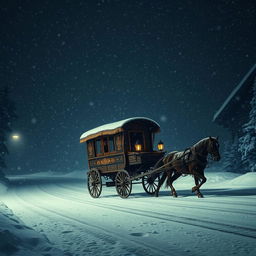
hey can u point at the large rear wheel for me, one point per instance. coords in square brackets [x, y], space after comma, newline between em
[150, 183]
[123, 184]
[94, 183]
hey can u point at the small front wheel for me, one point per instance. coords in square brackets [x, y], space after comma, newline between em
[150, 183]
[123, 184]
[94, 183]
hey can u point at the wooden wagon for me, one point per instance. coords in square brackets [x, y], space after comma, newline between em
[122, 153]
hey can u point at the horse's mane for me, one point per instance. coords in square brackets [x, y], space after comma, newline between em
[201, 142]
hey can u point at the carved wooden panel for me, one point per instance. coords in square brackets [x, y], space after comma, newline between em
[108, 164]
[134, 159]
[90, 149]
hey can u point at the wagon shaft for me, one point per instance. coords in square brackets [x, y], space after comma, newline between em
[151, 172]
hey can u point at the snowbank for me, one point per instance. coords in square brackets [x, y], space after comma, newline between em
[245, 180]
[18, 239]
[3, 183]
[3, 188]
[73, 174]
[48, 177]
[80, 174]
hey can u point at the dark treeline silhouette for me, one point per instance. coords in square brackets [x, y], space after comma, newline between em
[7, 116]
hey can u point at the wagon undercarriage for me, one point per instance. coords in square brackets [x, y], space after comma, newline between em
[123, 182]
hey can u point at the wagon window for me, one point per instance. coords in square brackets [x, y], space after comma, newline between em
[111, 144]
[98, 147]
[136, 137]
[105, 145]
[118, 142]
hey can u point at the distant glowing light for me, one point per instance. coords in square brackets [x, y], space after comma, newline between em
[15, 137]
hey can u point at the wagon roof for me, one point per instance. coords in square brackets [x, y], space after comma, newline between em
[112, 128]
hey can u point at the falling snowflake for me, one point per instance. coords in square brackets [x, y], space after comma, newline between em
[33, 120]
[163, 118]
[91, 103]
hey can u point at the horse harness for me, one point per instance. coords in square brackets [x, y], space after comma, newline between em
[187, 156]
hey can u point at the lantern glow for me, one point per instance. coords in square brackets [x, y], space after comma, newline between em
[138, 146]
[160, 146]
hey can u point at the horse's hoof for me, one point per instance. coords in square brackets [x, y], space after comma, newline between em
[194, 189]
[174, 195]
[199, 195]
[156, 194]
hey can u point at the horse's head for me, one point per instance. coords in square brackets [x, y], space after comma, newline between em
[213, 148]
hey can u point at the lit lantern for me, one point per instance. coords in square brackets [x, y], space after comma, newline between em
[160, 146]
[138, 146]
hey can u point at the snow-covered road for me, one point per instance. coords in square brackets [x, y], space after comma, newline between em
[222, 223]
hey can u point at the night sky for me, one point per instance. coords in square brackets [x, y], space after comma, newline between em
[75, 65]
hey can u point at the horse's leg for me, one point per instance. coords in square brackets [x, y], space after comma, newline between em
[174, 177]
[160, 183]
[196, 188]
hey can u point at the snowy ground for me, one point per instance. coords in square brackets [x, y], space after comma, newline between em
[222, 223]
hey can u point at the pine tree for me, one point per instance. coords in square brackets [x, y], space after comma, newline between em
[247, 143]
[7, 116]
[232, 157]
[227, 157]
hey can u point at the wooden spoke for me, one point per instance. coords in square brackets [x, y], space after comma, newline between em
[150, 183]
[94, 183]
[123, 184]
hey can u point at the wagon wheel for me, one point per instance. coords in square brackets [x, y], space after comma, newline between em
[150, 183]
[123, 184]
[94, 183]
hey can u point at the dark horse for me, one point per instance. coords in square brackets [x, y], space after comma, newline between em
[191, 161]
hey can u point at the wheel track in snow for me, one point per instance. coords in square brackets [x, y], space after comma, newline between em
[216, 209]
[180, 198]
[210, 225]
[141, 248]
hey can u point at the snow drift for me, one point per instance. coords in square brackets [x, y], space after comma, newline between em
[18, 239]
[3, 188]
[246, 180]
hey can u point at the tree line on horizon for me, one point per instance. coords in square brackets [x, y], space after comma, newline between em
[7, 117]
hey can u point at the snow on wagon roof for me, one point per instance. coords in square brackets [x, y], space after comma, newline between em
[101, 130]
